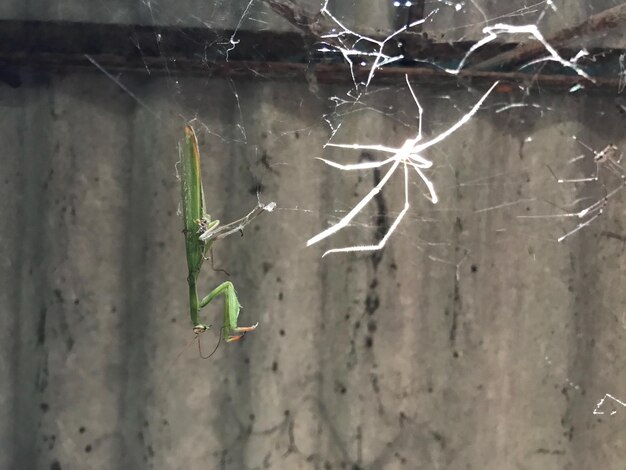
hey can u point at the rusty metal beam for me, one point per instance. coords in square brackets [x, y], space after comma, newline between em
[29, 46]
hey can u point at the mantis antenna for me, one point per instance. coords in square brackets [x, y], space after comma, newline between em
[219, 341]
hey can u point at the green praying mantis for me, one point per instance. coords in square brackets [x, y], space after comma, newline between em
[200, 232]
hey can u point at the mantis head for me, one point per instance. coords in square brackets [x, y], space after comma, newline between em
[201, 328]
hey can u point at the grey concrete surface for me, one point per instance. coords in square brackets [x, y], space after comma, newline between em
[473, 341]
[455, 20]
[220, 14]
[392, 360]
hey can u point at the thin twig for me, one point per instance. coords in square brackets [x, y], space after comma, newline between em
[306, 21]
[602, 21]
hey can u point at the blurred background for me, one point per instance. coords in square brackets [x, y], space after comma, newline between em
[474, 339]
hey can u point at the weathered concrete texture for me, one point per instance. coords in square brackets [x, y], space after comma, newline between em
[221, 14]
[475, 340]
[455, 20]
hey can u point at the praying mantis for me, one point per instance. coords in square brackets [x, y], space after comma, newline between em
[200, 232]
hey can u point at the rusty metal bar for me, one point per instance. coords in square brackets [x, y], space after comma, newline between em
[30, 45]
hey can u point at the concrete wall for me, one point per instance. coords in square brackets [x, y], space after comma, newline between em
[474, 340]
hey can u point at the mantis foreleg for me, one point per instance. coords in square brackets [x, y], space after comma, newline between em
[231, 312]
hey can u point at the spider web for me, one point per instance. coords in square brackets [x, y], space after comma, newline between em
[392, 158]
[362, 47]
